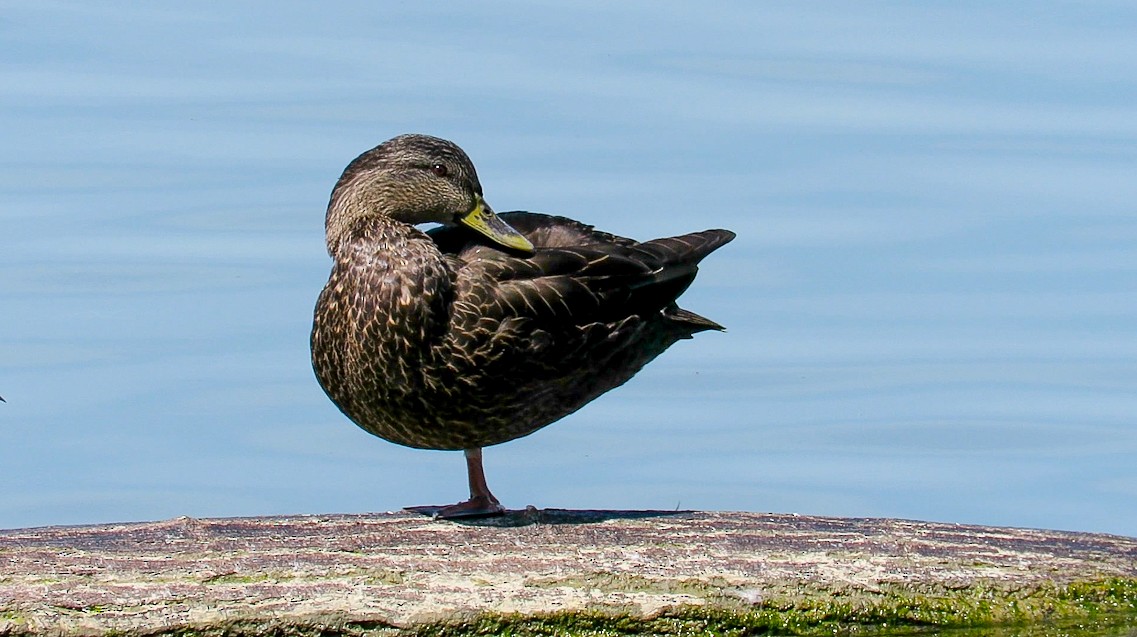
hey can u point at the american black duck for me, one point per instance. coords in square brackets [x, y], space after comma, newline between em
[489, 327]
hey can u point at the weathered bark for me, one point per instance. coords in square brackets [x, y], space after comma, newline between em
[399, 571]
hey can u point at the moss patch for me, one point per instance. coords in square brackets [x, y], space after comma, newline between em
[1089, 607]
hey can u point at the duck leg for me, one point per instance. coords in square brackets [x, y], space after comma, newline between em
[482, 503]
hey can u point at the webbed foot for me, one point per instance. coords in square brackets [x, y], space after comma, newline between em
[476, 507]
[481, 504]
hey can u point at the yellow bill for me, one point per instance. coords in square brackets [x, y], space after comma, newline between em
[483, 219]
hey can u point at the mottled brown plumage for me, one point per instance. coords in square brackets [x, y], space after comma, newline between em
[449, 340]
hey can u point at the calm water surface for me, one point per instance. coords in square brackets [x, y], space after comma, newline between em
[931, 303]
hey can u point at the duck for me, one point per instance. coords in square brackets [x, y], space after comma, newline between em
[488, 326]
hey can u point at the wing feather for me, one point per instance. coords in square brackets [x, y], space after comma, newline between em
[577, 276]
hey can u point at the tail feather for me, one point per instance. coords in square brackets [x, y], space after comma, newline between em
[676, 260]
[682, 255]
[692, 322]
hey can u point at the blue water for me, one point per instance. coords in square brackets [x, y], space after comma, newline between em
[931, 304]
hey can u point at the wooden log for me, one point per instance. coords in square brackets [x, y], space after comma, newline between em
[552, 570]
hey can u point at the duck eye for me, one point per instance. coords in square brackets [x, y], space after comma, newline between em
[439, 170]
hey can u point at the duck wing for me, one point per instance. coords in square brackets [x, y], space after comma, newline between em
[578, 275]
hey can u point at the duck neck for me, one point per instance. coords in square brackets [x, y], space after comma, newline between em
[397, 270]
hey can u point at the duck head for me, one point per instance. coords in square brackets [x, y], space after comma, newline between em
[415, 179]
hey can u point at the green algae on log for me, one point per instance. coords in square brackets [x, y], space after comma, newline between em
[545, 572]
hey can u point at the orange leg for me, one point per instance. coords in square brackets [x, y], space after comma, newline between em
[482, 503]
